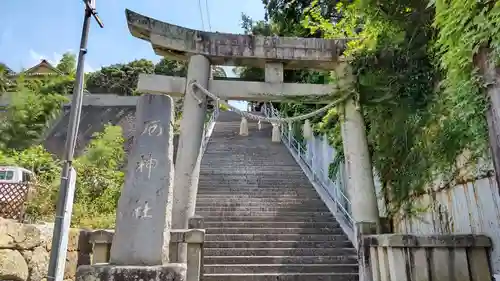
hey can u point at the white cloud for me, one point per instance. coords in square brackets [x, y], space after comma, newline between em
[54, 59]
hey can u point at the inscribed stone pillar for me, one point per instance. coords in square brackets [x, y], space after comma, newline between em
[189, 147]
[142, 233]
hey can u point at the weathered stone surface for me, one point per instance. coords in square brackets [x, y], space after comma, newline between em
[428, 241]
[28, 247]
[169, 272]
[236, 49]
[38, 263]
[242, 90]
[16, 235]
[143, 215]
[13, 266]
[77, 240]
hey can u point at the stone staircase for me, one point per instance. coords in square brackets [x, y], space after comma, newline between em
[264, 220]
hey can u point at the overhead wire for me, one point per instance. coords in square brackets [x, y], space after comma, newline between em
[208, 16]
[201, 15]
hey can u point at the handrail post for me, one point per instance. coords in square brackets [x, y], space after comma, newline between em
[195, 251]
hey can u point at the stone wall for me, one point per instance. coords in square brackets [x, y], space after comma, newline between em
[25, 250]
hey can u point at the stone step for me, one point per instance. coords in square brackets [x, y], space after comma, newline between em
[233, 190]
[279, 268]
[202, 184]
[256, 176]
[266, 165]
[249, 201]
[279, 252]
[282, 277]
[273, 197]
[278, 180]
[344, 259]
[266, 214]
[265, 205]
[263, 208]
[257, 194]
[245, 184]
[232, 171]
[257, 167]
[238, 166]
[270, 219]
[274, 224]
[252, 200]
[277, 244]
[238, 230]
[244, 188]
[276, 237]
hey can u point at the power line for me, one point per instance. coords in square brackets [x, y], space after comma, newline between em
[201, 15]
[208, 16]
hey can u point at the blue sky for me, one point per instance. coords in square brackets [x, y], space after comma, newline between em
[34, 29]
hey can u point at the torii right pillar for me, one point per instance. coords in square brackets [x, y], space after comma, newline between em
[359, 170]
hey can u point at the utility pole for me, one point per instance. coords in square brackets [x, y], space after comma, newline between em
[68, 175]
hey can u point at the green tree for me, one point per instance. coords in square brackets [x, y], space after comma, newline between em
[119, 79]
[468, 48]
[100, 179]
[5, 82]
[122, 79]
[218, 71]
[415, 129]
[27, 117]
[67, 64]
[171, 67]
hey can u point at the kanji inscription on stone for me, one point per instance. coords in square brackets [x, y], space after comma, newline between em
[142, 232]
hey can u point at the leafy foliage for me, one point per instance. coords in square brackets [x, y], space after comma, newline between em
[171, 68]
[5, 82]
[119, 79]
[416, 125]
[99, 180]
[27, 117]
[32, 108]
[67, 64]
[218, 71]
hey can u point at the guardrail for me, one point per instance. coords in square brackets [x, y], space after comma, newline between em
[209, 128]
[330, 192]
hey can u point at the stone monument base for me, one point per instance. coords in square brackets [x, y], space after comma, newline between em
[107, 272]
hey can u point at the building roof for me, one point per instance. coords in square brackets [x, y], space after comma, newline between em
[42, 69]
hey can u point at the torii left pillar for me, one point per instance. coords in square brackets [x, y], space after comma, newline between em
[191, 135]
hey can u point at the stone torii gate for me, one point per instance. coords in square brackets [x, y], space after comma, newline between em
[203, 49]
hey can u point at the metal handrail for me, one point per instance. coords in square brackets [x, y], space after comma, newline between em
[209, 127]
[317, 175]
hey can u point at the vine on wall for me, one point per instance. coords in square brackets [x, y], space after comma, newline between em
[420, 94]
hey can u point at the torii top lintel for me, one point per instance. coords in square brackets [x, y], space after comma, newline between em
[236, 49]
